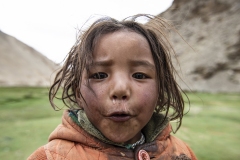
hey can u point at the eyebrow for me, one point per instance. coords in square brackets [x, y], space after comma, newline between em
[134, 63]
[102, 63]
[142, 63]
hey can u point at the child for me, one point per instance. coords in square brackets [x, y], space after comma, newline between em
[119, 85]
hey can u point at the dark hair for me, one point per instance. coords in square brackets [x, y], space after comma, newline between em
[81, 55]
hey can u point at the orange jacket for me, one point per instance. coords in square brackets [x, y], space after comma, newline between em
[70, 142]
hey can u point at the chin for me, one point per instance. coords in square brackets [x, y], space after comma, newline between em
[117, 139]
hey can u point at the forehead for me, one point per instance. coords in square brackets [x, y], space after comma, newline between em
[122, 44]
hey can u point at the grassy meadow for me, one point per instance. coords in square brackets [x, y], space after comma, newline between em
[211, 128]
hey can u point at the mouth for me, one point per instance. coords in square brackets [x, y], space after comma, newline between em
[119, 116]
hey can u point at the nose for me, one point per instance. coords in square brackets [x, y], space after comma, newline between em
[120, 89]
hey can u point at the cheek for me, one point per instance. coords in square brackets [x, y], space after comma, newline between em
[149, 94]
[88, 95]
[92, 95]
[149, 99]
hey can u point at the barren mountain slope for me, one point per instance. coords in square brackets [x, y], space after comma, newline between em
[212, 29]
[21, 65]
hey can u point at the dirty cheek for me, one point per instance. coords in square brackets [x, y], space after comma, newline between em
[93, 95]
[149, 97]
[88, 94]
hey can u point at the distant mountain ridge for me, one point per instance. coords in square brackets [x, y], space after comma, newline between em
[21, 65]
[212, 29]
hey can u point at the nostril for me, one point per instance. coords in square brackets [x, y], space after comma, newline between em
[124, 97]
[116, 97]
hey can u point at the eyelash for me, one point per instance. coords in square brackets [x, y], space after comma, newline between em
[102, 75]
[136, 76]
[99, 75]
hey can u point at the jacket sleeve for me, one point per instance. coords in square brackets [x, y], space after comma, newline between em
[39, 154]
[193, 156]
[182, 149]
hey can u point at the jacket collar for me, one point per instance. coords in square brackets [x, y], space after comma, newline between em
[70, 130]
[155, 126]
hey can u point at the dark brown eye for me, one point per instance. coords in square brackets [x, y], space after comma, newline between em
[99, 75]
[139, 76]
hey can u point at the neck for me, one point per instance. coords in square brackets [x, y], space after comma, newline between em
[134, 139]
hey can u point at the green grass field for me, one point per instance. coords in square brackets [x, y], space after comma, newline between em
[211, 128]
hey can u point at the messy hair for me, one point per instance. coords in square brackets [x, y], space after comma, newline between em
[80, 57]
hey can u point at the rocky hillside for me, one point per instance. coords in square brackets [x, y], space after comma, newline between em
[21, 65]
[211, 60]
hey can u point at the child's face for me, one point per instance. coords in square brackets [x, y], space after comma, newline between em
[124, 86]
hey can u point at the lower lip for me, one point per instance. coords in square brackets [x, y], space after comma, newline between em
[120, 118]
